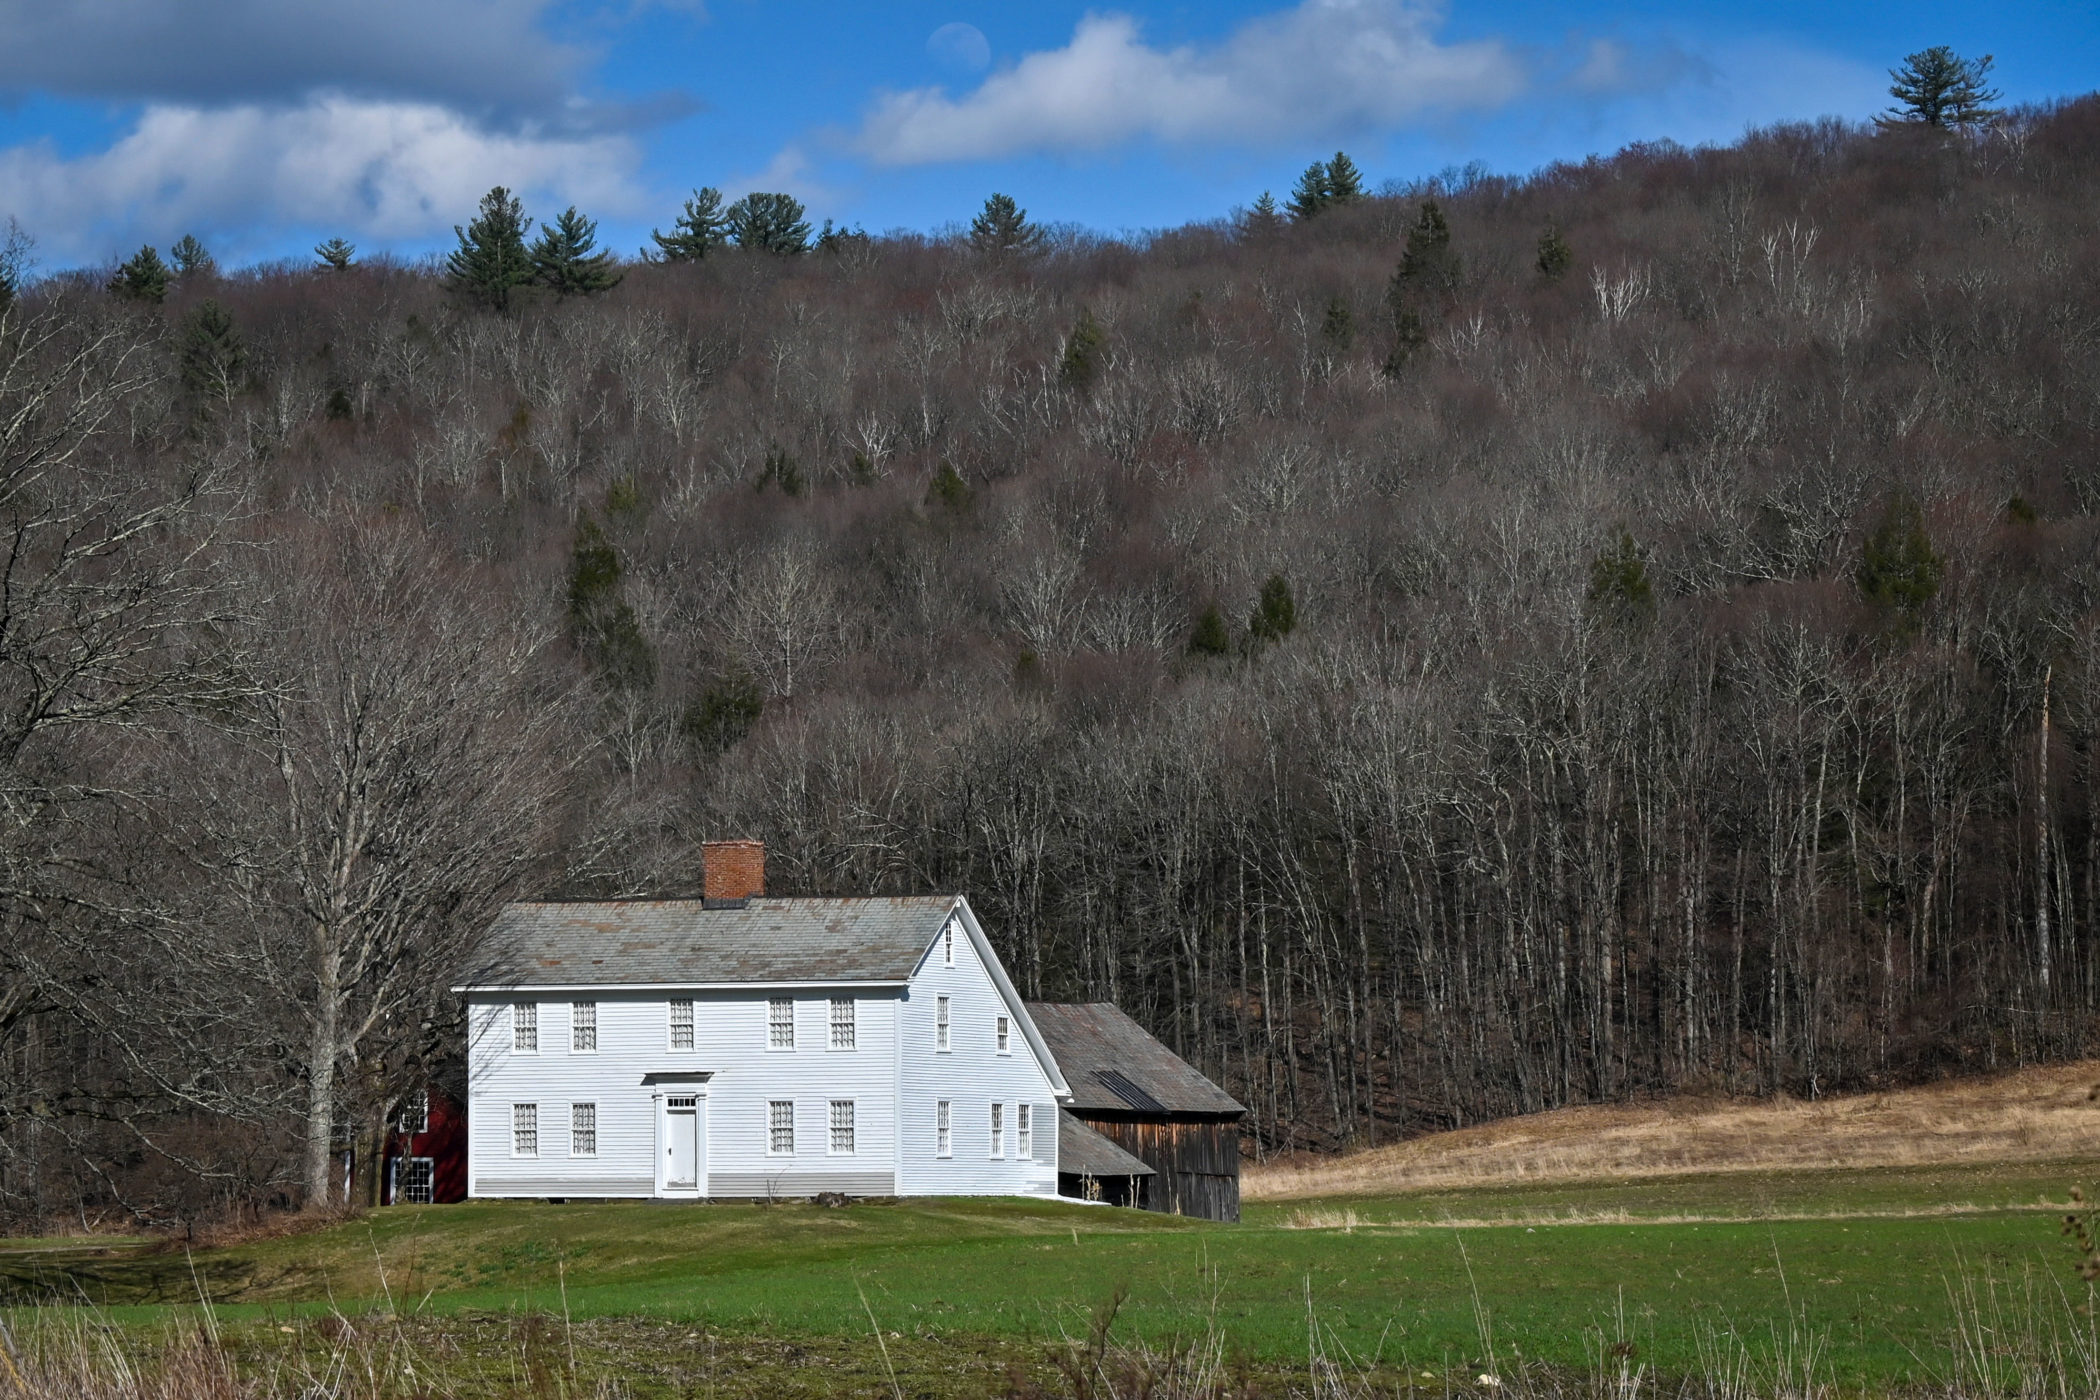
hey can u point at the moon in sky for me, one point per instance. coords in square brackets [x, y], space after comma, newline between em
[961, 47]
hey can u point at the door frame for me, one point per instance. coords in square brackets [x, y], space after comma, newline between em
[682, 1086]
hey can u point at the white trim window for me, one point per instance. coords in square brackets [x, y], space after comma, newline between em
[998, 1130]
[948, 943]
[524, 1130]
[842, 1127]
[843, 1019]
[525, 1028]
[583, 1130]
[1004, 1035]
[415, 1113]
[943, 1131]
[780, 1023]
[940, 1023]
[780, 1128]
[681, 1023]
[417, 1184]
[1024, 1131]
[583, 1027]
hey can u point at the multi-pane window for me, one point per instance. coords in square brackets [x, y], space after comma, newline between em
[583, 1025]
[780, 1127]
[842, 1125]
[943, 1132]
[583, 1130]
[682, 1023]
[940, 1023]
[780, 1023]
[948, 944]
[524, 1130]
[998, 1130]
[415, 1113]
[842, 1023]
[1024, 1131]
[418, 1177]
[525, 1026]
[1005, 1034]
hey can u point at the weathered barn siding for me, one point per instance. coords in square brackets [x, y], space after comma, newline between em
[1195, 1161]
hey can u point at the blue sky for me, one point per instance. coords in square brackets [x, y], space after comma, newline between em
[264, 125]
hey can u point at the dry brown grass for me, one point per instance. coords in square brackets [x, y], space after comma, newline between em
[2033, 1115]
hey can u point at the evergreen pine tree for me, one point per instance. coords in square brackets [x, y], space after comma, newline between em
[724, 713]
[1264, 219]
[949, 491]
[143, 277]
[191, 258]
[841, 241]
[1210, 637]
[1409, 336]
[700, 229]
[1619, 591]
[212, 354]
[14, 261]
[604, 623]
[1937, 87]
[1345, 183]
[768, 223]
[1275, 612]
[336, 254]
[1555, 256]
[1311, 194]
[1428, 257]
[563, 259]
[1081, 360]
[1898, 567]
[1002, 227]
[1338, 325]
[492, 259]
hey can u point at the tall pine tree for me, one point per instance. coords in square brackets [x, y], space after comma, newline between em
[1002, 227]
[142, 276]
[768, 223]
[700, 229]
[1938, 88]
[1428, 258]
[192, 258]
[1345, 183]
[492, 260]
[336, 254]
[563, 257]
[1310, 195]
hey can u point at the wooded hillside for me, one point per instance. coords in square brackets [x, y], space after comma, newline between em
[1421, 667]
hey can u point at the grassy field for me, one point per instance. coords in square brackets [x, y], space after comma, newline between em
[1858, 1270]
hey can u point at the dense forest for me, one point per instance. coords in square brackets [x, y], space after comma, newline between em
[1476, 646]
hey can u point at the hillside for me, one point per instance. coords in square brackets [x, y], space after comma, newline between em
[2036, 1115]
[1420, 680]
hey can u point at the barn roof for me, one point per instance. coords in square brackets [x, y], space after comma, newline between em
[683, 942]
[1112, 1064]
[1081, 1151]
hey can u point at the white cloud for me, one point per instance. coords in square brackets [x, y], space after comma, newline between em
[1326, 67]
[362, 168]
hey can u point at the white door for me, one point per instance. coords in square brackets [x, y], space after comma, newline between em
[681, 1143]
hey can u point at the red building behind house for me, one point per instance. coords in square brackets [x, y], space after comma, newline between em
[426, 1156]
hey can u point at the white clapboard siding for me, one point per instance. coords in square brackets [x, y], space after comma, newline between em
[730, 1045]
[971, 1075]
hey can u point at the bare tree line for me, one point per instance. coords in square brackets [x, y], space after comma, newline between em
[1688, 682]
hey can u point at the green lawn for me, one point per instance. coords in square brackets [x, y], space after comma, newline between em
[1871, 1276]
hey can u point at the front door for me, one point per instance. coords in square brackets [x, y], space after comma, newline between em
[682, 1144]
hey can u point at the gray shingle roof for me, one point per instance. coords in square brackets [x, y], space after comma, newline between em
[1112, 1064]
[1081, 1151]
[655, 942]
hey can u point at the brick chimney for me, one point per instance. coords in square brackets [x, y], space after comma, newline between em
[732, 872]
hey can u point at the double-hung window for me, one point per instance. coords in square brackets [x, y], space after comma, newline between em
[1024, 1131]
[583, 1130]
[1004, 1035]
[940, 1023]
[682, 1023]
[780, 1127]
[943, 1131]
[842, 1127]
[415, 1113]
[525, 1027]
[842, 1023]
[583, 1027]
[780, 1023]
[948, 943]
[524, 1130]
[998, 1130]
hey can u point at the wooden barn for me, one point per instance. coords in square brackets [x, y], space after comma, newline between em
[1142, 1127]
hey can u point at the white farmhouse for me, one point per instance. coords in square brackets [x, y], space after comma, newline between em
[745, 1046]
